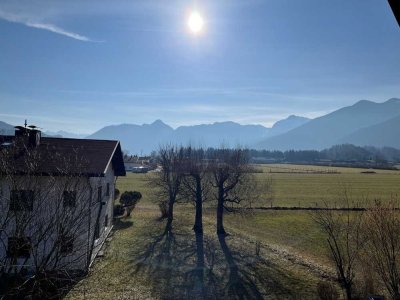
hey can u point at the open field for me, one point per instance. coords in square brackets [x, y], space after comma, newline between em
[322, 184]
[278, 254]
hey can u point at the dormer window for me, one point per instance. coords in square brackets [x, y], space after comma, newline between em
[99, 193]
[108, 189]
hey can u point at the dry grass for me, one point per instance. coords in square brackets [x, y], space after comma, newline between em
[279, 254]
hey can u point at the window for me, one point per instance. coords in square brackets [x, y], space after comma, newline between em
[66, 244]
[19, 247]
[69, 198]
[97, 231]
[21, 200]
[106, 221]
[99, 192]
[108, 189]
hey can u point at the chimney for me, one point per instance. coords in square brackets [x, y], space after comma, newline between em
[34, 137]
[30, 135]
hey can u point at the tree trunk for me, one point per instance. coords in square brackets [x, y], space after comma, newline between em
[347, 288]
[198, 222]
[220, 211]
[170, 218]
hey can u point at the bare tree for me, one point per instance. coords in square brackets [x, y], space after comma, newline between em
[343, 231]
[44, 214]
[231, 177]
[195, 182]
[383, 233]
[168, 182]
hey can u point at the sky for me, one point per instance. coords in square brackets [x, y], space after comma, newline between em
[81, 65]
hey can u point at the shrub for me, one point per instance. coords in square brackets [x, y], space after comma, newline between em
[118, 210]
[129, 200]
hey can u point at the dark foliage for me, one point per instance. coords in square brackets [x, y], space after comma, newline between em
[118, 210]
[338, 153]
[130, 198]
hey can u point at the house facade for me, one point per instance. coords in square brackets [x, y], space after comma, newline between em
[56, 200]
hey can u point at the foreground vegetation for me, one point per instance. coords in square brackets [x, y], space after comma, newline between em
[278, 254]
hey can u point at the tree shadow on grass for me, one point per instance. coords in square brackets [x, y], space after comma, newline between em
[122, 223]
[252, 277]
[182, 265]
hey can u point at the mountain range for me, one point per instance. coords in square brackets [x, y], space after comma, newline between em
[148, 137]
[365, 123]
[6, 128]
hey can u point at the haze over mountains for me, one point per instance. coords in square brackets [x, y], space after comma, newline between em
[6, 128]
[365, 123]
[148, 137]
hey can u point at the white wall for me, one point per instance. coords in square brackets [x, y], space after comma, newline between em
[48, 209]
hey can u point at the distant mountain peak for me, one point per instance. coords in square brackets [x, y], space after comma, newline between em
[363, 102]
[367, 118]
[291, 121]
[158, 122]
[393, 100]
[368, 102]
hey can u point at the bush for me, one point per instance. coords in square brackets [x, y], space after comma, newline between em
[163, 205]
[118, 210]
[129, 200]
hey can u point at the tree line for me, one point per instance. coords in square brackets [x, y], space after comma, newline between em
[341, 153]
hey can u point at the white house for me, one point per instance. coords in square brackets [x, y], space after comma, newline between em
[56, 200]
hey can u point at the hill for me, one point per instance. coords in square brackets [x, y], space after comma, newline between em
[288, 124]
[383, 134]
[332, 128]
[6, 128]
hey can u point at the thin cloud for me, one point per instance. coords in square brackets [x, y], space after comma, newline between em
[58, 30]
[44, 26]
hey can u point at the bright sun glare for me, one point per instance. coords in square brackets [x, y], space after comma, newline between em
[195, 22]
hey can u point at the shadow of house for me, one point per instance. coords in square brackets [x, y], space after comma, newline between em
[120, 224]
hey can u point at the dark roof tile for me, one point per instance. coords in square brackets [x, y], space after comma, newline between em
[56, 153]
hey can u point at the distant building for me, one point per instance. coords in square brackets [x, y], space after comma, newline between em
[56, 200]
[137, 164]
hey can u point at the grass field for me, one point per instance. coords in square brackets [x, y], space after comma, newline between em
[278, 254]
[292, 188]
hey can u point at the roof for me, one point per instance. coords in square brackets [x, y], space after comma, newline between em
[57, 156]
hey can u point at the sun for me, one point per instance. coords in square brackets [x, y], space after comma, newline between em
[195, 22]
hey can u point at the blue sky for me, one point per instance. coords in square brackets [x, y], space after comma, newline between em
[81, 65]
